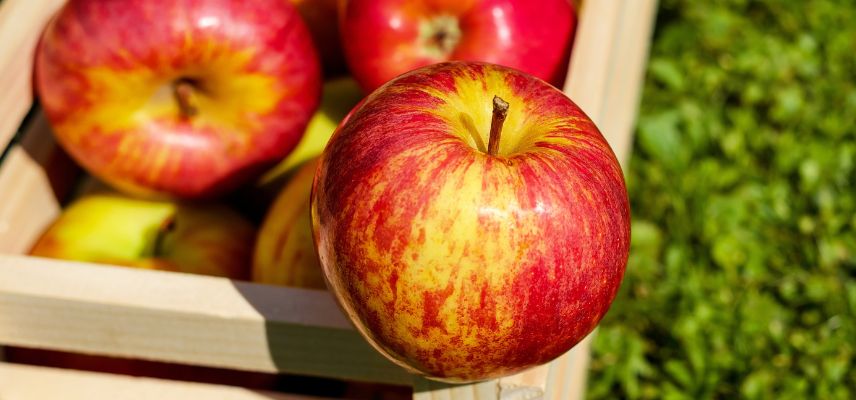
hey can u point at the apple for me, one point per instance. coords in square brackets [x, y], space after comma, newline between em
[471, 221]
[177, 98]
[114, 229]
[321, 18]
[285, 254]
[385, 38]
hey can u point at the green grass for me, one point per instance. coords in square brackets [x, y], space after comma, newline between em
[742, 275]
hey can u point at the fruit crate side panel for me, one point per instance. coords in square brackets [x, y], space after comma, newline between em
[28, 382]
[35, 177]
[21, 22]
[608, 66]
[182, 318]
[605, 79]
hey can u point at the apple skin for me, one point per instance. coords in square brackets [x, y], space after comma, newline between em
[108, 75]
[118, 230]
[389, 37]
[457, 264]
[285, 253]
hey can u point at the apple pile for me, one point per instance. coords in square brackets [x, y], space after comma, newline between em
[468, 217]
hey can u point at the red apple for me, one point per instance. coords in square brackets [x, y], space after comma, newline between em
[463, 248]
[385, 38]
[182, 98]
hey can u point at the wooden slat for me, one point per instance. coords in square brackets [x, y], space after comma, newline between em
[21, 22]
[34, 177]
[182, 318]
[608, 65]
[605, 79]
[23, 382]
[628, 61]
[530, 384]
[430, 390]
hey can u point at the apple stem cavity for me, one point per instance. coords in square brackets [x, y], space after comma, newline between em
[440, 35]
[500, 111]
[184, 91]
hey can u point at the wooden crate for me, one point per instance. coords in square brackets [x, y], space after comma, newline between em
[217, 322]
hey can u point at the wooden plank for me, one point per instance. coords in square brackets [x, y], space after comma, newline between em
[605, 80]
[21, 22]
[34, 177]
[530, 384]
[182, 318]
[430, 390]
[23, 382]
[628, 63]
[608, 65]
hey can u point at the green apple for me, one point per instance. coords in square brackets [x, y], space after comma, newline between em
[338, 97]
[114, 229]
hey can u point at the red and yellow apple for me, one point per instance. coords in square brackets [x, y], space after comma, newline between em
[118, 230]
[385, 38]
[285, 254]
[179, 98]
[464, 248]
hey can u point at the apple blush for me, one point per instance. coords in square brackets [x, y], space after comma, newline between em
[387, 38]
[177, 98]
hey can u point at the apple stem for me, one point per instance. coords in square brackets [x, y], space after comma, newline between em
[500, 111]
[160, 236]
[183, 91]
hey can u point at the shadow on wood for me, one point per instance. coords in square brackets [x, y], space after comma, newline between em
[318, 340]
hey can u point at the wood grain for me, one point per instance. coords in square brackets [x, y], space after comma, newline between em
[21, 23]
[608, 66]
[23, 382]
[605, 79]
[34, 178]
[182, 318]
